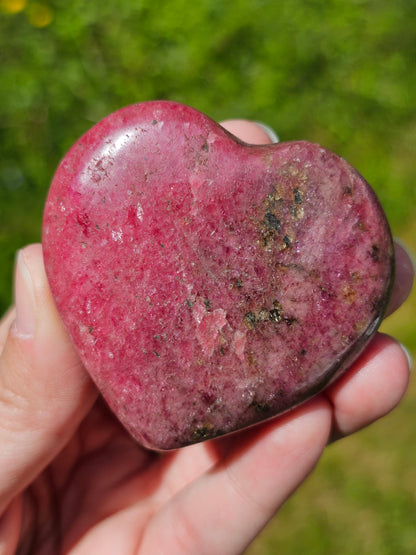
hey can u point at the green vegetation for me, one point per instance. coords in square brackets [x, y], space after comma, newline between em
[339, 73]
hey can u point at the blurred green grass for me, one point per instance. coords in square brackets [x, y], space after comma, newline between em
[339, 73]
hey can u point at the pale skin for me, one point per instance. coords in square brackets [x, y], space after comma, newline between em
[73, 482]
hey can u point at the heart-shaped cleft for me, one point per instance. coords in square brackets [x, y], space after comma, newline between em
[208, 284]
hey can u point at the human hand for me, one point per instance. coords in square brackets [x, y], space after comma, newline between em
[73, 481]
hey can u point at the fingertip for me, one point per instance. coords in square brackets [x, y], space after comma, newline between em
[36, 313]
[405, 273]
[38, 358]
[396, 361]
[255, 133]
[270, 132]
[373, 387]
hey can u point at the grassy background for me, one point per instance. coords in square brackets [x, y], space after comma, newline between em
[336, 72]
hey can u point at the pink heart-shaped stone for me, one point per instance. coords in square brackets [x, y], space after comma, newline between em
[206, 283]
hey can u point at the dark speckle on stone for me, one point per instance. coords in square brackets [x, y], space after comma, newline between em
[202, 432]
[250, 320]
[271, 221]
[238, 283]
[296, 212]
[375, 252]
[260, 407]
[262, 315]
[361, 226]
[275, 315]
[297, 195]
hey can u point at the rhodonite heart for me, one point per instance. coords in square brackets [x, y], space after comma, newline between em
[208, 284]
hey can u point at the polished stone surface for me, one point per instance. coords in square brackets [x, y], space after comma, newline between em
[208, 284]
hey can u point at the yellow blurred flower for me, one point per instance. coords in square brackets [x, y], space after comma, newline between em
[12, 6]
[39, 14]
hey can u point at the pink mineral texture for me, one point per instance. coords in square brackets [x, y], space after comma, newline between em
[208, 284]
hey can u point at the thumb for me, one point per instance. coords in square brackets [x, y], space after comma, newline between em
[44, 389]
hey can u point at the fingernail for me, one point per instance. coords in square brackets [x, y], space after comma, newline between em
[408, 356]
[25, 300]
[269, 132]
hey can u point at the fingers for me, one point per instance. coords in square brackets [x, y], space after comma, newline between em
[223, 510]
[372, 387]
[44, 390]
